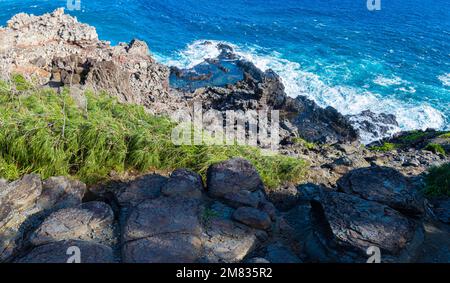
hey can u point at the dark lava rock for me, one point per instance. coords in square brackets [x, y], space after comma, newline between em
[61, 192]
[441, 209]
[62, 251]
[92, 221]
[232, 176]
[253, 217]
[241, 198]
[361, 223]
[183, 182]
[321, 125]
[166, 229]
[384, 185]
[278, 253]
[142, 188]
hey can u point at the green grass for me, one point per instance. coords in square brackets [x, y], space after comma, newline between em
[386, 146]
[413, 136]
[300, 141]
[438, 181]
[445, 136]
[48, 133]
[435, 148]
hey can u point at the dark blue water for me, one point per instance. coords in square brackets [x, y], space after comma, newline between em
[396, 60]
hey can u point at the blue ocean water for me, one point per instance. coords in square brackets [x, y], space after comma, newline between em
[337, 52]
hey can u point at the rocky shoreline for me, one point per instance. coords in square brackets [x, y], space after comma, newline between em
[352, 197]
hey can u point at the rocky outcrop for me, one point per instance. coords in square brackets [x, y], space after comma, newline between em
[57, 50]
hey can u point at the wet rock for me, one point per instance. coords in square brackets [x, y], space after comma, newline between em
[372, 126]
[63, 252]
[253, 217]
[321, 125]
[361, 223]
[92, 221]
[384, 185]
[185, 183]
[232, 176]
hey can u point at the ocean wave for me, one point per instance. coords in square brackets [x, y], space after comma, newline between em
[346, 99]
[445, 79]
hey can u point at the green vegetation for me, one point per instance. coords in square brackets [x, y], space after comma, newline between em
[386, 146]
[436, 148]
[50, 134]
[300, 141]
[438, 181]
[445, 136]
[413, 136]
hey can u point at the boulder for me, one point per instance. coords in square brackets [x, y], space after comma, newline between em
[232, 176]
[64, 251]
[441, 209]
[60, 192]
[384, 185]
[183, 182]
[361, 223]
[166, 229]
[92, 221]
[253, 217]
[241, 198]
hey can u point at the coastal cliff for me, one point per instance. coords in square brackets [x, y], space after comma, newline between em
[350, 197]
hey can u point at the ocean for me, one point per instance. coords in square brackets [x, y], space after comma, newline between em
[394, 60]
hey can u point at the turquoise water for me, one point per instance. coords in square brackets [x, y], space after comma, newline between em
[396, 60]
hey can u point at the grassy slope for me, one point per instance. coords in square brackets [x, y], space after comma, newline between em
[47, 133]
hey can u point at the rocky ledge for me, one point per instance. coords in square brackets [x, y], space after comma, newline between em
[352, 198]
[176, 218]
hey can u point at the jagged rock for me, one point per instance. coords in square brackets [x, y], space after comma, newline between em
[185, 183]
[165, 229]
[140, 189]
[258, 260]
[92, 221]
[253, 217]
[60, 252]
[372, 126]
[227, 241]
[44, 47]
[322, 125]
[232, 175]
[384, 185]
[60, 192]
[361, 223]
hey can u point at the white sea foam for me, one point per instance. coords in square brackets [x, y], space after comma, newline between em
[346, 99]
[445, 79]
[385, 81]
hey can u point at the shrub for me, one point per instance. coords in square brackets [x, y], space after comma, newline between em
[386, 146]
[438, 181]
[49, 134]
[436, 148]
